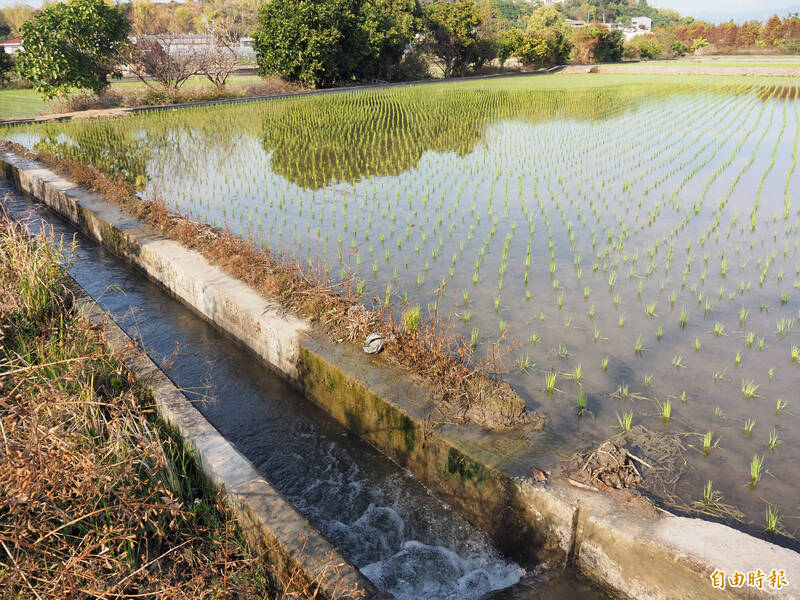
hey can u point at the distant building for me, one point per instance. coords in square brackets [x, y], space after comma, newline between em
[639, 26]
[190, 43]
[12, 46]
[574, 23]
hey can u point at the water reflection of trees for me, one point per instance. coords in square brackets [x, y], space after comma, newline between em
[110, 149]
[346, 137]
[315, 140]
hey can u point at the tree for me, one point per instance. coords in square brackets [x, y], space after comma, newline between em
[678, 48]
[72, 45]
[314, 42]
[451, 35]
[220, 58]
[389, 27]
[6, 66]
[771, 32]
[546, 41]
[596, 43]
[326, 42]
[156, 58]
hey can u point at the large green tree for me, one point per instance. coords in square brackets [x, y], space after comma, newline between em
[326, 42]
[72, 45]
[546, 41]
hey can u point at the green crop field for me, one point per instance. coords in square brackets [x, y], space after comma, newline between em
[631, 241]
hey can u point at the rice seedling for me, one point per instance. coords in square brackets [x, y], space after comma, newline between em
[524, 364]
[604, 363]
[677, 361]
[711, 497]
[780, 406]
[709, 442]
[474, 338]
[665, 410]
[638, 346]
[749, 389]
[795, 354]
[773, 441]
[550, 382]
[577, 374]
[625, 421]
[772, 519]
[581, 407]
[756, 468]
[623, 392]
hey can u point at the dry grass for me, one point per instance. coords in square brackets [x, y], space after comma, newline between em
[466, 387]
[97, 498]
[141, 96]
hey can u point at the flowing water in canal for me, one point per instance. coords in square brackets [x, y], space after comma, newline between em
[401, 537]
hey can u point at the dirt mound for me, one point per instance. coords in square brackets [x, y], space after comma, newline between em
[609, 465]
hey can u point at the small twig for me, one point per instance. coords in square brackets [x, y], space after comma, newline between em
[583, 486]
[636, 458]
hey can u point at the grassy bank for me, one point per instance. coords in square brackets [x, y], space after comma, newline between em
[98, 499]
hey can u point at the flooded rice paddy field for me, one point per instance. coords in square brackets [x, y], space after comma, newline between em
[632, 239]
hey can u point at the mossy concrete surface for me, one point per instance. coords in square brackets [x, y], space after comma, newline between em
[629, 548]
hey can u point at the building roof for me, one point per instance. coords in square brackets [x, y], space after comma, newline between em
[12, 42]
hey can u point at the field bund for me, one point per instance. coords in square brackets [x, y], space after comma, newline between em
[626, 547]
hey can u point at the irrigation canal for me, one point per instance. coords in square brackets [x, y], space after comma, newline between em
[392, 528]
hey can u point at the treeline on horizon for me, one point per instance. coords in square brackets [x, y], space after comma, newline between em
[190, 16]
[82, 44]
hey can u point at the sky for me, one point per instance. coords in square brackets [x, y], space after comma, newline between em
[710, 10]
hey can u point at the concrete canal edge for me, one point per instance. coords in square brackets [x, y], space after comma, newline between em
[620, 546]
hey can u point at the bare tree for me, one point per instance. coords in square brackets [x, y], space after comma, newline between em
[220, 56]
[166, 59]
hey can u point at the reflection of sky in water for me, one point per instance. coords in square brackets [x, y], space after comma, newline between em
[657, 196]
